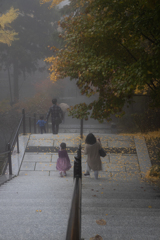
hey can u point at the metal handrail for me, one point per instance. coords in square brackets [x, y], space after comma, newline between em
[16, 134]
[4, 153]
[4, 161]
[12, 144]
[74, 222]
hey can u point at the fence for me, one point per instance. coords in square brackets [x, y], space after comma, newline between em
[74, 222]
[28, 124]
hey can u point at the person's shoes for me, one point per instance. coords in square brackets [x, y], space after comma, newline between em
[64, 174]
[60, 174]
[86, 174]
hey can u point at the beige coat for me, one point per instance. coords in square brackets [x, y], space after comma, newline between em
[93, 157]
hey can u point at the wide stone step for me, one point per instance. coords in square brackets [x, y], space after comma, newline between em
[120, 232]
[86, 211]
[34, 226]
[36, 202]
[85, 182]
[117, 221]
[67, 193]
[118, 195]
[96, 202]
[112, 211]
[37, 195]
[121, 203]
[93, 185]
[34, 186]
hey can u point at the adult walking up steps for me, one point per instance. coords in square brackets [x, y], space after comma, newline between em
[120, 205]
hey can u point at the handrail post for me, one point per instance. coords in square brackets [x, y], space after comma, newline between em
[47, 126]
[17, 144]
[81, 129]
[30, 124]
[34, 122]
[77, 164]
[9, 159]
[24, 124]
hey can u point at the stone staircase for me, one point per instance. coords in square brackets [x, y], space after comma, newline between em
[120, 205]
[35, 207]
[129, 210]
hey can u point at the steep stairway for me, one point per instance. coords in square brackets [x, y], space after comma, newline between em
[35, 207]
[128, 210]
[120, 205]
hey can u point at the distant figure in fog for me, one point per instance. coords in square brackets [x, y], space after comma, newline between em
[92, 147]
[41, 122]
[63, 162]
[56, 116]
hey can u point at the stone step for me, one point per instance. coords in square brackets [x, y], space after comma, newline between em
[34, 194]
[88, 180]
[96, 202]
[37, 195]
[117, 221]
[62, 182]
[39, 202]
[120, 232]
[86, 211]
[37, 225]
[92, 183]
[91, 189]
[109, 211]
[52, 224]
[115, 195]
[121, 203]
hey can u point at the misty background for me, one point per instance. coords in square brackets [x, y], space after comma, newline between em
[24, 76]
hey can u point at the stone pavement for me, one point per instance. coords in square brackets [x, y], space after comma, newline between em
[126, 156]
[36, 204]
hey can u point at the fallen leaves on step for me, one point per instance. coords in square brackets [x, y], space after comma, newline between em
[101, 222]
[97, 237]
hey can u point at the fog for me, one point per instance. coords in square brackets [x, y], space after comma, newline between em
[23, 72]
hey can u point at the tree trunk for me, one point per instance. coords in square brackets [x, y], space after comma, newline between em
[15, 81]
[10, 88]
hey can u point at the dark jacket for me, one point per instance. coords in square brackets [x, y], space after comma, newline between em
[56, 113]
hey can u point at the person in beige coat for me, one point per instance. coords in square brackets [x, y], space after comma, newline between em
[92, 147]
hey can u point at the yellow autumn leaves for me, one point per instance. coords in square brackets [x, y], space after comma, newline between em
[53, 2]
[7, 35]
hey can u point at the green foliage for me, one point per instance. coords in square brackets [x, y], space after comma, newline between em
[113, 49]
[147, 121]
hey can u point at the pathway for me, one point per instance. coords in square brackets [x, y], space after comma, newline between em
[120, 205]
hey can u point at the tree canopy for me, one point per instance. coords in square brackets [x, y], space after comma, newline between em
[112, 48]
[7, 35]
[36, 27]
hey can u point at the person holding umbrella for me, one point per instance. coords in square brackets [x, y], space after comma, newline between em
[64, 107]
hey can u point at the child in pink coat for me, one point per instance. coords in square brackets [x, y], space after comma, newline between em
[63, 162]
